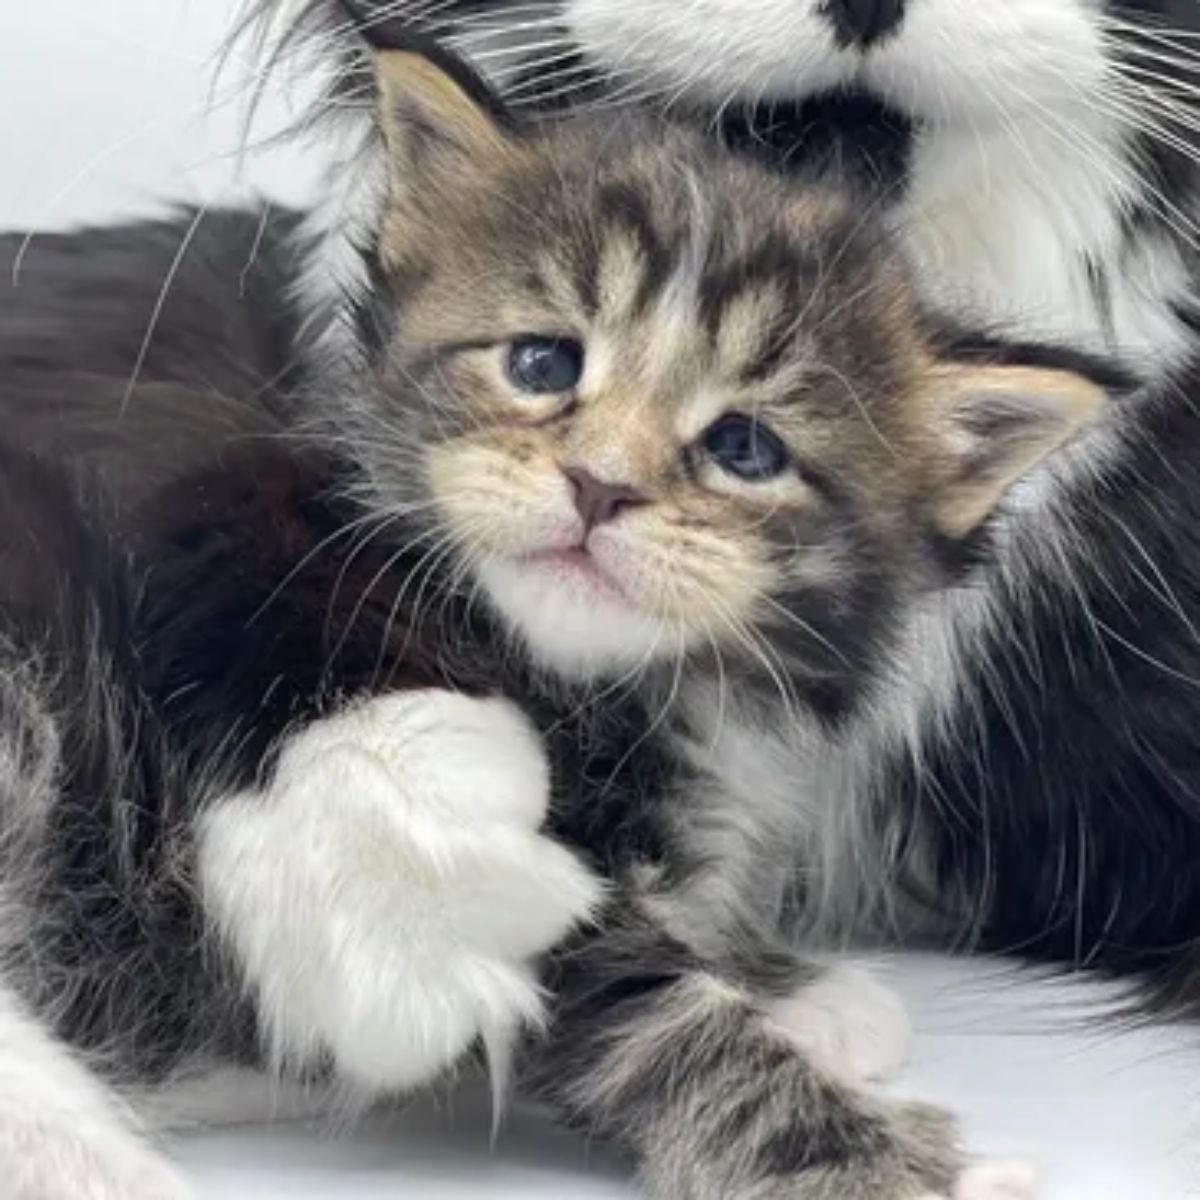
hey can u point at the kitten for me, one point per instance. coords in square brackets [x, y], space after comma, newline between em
[653, 453]
[1037, 161]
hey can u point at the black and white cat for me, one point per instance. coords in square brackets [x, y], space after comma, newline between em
[1037, 158]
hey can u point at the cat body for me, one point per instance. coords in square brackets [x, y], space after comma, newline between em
[1027, 778]
[597, 457]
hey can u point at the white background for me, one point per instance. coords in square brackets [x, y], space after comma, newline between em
[108, 108]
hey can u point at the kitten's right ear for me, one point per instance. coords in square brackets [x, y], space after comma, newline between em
[437, 116]
[993, 424]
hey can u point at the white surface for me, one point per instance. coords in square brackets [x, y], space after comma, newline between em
[1102, 1115]
[107, 109]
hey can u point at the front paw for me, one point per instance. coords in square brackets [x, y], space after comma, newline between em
[916, 1158]
[921, 1159]
[388, 895]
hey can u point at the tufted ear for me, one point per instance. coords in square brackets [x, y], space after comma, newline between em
[994, 425]
[435, 113]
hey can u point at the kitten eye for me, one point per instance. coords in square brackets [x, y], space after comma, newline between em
[545, 366]
[746, 448]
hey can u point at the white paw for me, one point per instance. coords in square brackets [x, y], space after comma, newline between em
[458, 757]
[41, 1161]
[848, 1023]
[388, 895]
[997, 1181]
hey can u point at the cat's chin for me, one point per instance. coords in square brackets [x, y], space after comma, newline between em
[574, 620]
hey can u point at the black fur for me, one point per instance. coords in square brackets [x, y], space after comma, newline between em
[1085, 699]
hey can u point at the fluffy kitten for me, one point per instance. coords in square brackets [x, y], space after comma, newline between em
[1037, 161]
[653, 453]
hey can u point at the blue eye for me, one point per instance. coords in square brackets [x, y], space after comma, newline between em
[545, 366]
[746, 448]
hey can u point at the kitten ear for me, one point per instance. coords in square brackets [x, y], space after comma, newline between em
[996, 423]
[435, 113]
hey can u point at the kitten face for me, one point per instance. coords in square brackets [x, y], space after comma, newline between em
[655, 401]
[684, 381]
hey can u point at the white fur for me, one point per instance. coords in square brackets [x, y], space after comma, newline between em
[387, 895]
[571, 627]
[999, 224]
[848, 1023]
[62, 1133]
[951, 61]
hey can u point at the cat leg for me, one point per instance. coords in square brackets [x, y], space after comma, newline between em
[687, 1066]
[63, 1134]
[388, 893]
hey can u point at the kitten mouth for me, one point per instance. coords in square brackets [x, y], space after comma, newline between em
[577, 568]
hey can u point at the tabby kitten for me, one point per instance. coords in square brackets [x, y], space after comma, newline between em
[657, 456]
[1038, 160]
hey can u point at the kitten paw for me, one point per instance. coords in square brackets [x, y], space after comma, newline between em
[388, 895]
[912, 1154]
[849, 1023]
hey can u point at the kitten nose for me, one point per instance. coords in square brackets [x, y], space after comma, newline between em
[597, 500]
[863, 22]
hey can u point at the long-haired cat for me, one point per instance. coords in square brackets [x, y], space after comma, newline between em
[631, 444]
[1037, 162]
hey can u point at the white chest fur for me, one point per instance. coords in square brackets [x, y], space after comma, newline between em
[1025, 225]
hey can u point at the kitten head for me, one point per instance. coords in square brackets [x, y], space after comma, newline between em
[652, 400]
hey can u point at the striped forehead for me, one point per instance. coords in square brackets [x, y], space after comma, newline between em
[688, 290]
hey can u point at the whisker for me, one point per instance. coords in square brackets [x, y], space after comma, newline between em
[323, 544]
[160, 304]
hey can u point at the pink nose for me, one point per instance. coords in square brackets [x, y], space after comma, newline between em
[597, 500]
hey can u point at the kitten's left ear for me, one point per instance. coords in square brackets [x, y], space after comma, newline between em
[995, 424]
[436, 114]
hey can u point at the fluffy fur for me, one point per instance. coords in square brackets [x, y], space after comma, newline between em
[393, 928]
[1027, 775]
[232, 842]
